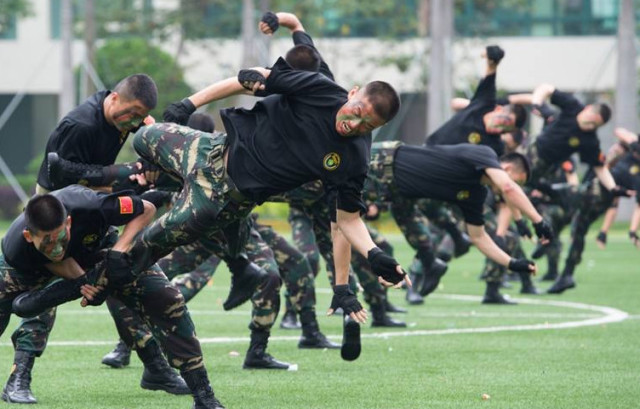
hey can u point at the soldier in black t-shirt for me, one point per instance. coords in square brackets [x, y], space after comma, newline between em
[572, 131]
[91, 135]
[306, 128]
[458, 175]
[482, 120]
[594, 203]
[62, 234]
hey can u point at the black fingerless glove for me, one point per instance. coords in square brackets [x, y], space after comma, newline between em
[495, 53]
[384, 265]
[179, 112]
[543, 230]
[619, 191]
[247, 78]
[119, 268]
[523, 229]
[602, 237]
[344, 298]
[271, 20]
[634, 237]
[520, 265]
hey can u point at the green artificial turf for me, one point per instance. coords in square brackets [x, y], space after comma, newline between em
[437, 363]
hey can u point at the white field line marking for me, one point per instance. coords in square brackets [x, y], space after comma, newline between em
[611, 315]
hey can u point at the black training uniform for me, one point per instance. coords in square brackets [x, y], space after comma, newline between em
[448, 173]
[84, 136]
[290, 138]
[467, 125]
[563, 137]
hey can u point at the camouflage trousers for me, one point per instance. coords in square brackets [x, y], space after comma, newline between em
[159, 305]
[311, 230]
[596, 199]
[559, 217]
[415, 228]
[208, 201]
[494, 272]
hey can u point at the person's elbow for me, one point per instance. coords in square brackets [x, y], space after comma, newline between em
[149, 210]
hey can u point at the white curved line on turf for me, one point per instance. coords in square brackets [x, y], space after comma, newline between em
[611, 315]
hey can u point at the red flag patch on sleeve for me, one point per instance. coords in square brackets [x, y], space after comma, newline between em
[126, 205]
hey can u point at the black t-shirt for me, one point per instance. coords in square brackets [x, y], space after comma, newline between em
[289, 138]
[448, 173]
[91, 215]
[626, 173]
[467, 125]
[84, 136]
[563, 136]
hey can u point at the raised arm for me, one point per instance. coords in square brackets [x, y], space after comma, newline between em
[541, 94]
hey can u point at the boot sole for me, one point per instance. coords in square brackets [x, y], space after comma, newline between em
[351, 347]
[116, 365]
[160, 387]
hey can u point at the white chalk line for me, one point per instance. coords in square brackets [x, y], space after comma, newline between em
[610, 315]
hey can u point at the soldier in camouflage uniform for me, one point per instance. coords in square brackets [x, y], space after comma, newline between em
[44, 243]
[595, 200]
[402, 174]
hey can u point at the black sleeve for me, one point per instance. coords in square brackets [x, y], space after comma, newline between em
[472, 211]
[347, 197]
[120, 208]
[486, 89]
[284, 80]
[502, 101]
[74, 142]
[592, 155]
[566, 102]
[301, 37]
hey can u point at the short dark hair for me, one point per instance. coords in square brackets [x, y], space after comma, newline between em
[44, 213]
[385, 99]
[604, 110]
[138, 87]
[518, 160]
[201, 122]
[303, 57]
[521, 114]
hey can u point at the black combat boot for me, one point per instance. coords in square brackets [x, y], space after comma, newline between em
[18, 387]
[527, 284]
[432, 277]
[203, 396]
[311, 337]
[564, 282]
[290, 320]
[158, 375]
[257, 356]
[393, 308]
[119, 357]
[492, 295]
[245, 278]
[381, 319]
[550, 275]
[412, 296]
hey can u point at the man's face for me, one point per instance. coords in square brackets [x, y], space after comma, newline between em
[357, 116]
[125, 115]
[516, 175]
[53, 244]
[589, 119]
[500, 120]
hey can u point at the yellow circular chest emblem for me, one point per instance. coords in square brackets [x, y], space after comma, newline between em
[462, 195]
[574, 141]
[89, 239]
[331, 161]
[474, 137]
[634, 169]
